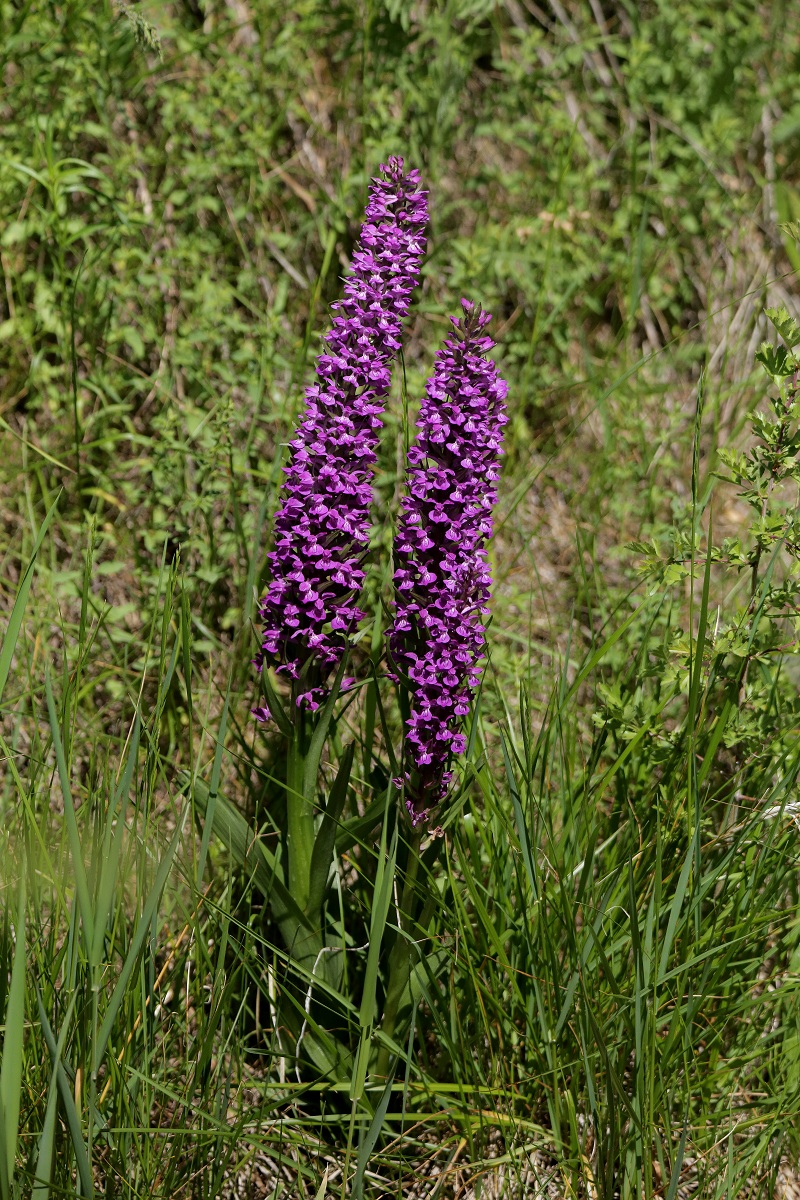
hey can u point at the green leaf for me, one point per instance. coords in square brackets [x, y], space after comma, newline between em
[775, 360]
[67, 1100]
[137, 941]
[112, 848]
[11, 1069]
[785, 324]
[675, 911]
[43, 1175]
[355, 829]
[275, 705]
[422, 975]
[76, 849]
[44, 1158]
[678, 1166]
[522, 829]
[319, 735]
[322, 854]
[382, 896]
[211, 802]
[252, 855]
[370, 1138]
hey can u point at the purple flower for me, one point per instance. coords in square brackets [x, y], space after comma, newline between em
[443, 580]
[323, 527]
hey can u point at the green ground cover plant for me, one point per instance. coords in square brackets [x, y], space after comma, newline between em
[602, 949]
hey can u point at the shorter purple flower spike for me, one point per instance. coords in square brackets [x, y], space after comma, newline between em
[322, 530]
[443, 579]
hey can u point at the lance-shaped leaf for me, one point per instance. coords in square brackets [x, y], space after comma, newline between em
[250, 853]
[325, 841]
[314, 753]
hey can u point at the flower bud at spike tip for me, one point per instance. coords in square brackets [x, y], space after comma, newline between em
[443, 580]
[322, 529]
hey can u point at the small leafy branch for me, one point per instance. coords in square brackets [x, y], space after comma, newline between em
[743, 658]
[772, 462]
[145, 33]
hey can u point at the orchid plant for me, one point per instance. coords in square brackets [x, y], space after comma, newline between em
[311, 614]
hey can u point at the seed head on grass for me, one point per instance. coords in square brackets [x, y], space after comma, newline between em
[322, 529]
[443, 579]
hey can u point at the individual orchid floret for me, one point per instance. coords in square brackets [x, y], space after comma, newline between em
[443, 579]
[322, 529]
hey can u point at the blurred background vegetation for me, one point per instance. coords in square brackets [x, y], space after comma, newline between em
[181, 185]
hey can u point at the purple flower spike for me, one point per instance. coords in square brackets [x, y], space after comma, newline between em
[443, 579]
[322, 530]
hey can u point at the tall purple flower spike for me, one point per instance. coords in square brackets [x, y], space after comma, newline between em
[443, 579]
[322, 530]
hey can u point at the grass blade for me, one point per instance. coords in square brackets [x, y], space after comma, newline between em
[78, 866]
[44, 1158]
[17, 612]
[112, 849]
[137, 941]
[370, 1138]
[67, 1100]
[11, 1069]
[250, 853]
[211, 802]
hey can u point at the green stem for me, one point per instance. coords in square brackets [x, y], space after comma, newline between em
[402, 952]
[302, 943]
[299, 817]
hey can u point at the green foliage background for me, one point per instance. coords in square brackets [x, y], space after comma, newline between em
[180, 189]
